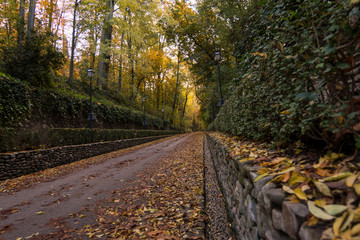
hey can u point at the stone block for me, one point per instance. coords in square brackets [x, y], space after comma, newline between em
[255, 234]
[294, 214]
[261, 183]
[260, 199]
[248, 187]
[310, 233]
[263, 221]
[276, 195]
[251, 209]
[277, 220]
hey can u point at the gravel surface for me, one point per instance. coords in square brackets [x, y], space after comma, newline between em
[217, 226]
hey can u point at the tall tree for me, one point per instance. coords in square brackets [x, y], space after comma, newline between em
[31, 18]
[73, 42]
[106, 36]
[21, 24]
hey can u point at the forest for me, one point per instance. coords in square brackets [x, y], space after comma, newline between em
[280, 71]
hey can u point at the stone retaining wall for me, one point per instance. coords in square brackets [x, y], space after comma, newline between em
[17, 164]
[257, 210]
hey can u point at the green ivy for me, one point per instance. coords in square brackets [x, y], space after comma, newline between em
[15, 104]
[293, 82]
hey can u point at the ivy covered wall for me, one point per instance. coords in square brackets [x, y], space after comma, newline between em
[298, 65]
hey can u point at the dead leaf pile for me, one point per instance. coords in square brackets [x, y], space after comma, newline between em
[329, 185]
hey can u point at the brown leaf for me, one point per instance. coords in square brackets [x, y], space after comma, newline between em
[7, 228]
[286, 177]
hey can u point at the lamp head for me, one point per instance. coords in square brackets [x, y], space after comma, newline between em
[90, 73]
[217, 56]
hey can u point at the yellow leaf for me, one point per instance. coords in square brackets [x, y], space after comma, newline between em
[317, 212]
[337, 224]
[357, 188]
[323, 188]
[285, 112]
[287, 170]
[261, 176]
[295, 179]
[347, 222]
[40, 213]
[264, 55]
[312, 221]
[298, 151]
[355, 229]
[320, 203]
[351, 180]
[300, 194]
[335, 156]
[341, 119]
[253, 155]
[288, 189]
[336, 177]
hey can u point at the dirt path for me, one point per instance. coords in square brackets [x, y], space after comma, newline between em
[39, 209]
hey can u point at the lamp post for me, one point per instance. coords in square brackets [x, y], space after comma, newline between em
[91, 74]
[144, 121]
[163, 115]
[217, 59]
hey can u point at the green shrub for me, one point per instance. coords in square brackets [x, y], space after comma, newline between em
[34, 62]
[15, 101]
[293, 82]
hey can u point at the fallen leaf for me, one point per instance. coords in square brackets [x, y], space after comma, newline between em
[312, 221]
[335, 209]
[288, 189]
[351, 180]
[337, 224]
[40, 213]
[357, 188]
[261, 176]
[323, 188]
[320, 203]
[347, 221]
[286, 177]
[336, 177]
[355, 229]
[300, 194]
[317, 212]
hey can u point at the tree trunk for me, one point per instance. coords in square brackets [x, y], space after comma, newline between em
[50, 12]
[121, 62]
[31, 18]
[176, 88]
[131, 56]
[106, 36]
[186, 99]
[73, 43]
[21, 24]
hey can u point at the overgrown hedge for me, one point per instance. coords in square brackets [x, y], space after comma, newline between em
[15, 102]
[296, 76]
[12, 140]
[19, 102]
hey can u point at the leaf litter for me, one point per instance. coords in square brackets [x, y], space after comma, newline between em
[329, 185]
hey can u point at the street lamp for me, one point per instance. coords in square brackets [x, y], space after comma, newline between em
[91, 74]
[217, 59]
[144, 121]
[163, 115]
